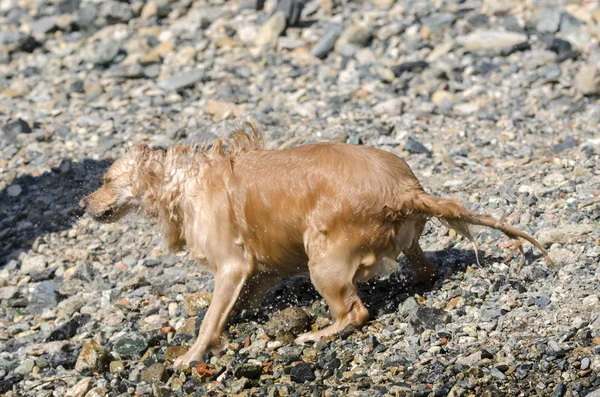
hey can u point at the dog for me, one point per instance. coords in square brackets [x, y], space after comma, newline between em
[343, 213]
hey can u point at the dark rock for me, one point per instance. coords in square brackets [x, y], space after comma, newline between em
[14, 128]
[250, 371]
[256, 5]
[327, 43]
[151, 262]
[44, 295]
[411, 67]
[330, 367]
[560, 390]
[69, 329]
[567, 144]
[292, 10]
[7, 383]
[181, 80]
[522, 370]
[302, 373]
[430, 318]
[68, 6]
[131, 345]
[413, 146]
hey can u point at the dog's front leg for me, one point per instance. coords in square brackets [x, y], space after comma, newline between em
[229, 282]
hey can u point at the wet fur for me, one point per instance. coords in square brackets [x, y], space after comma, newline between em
[341, 212]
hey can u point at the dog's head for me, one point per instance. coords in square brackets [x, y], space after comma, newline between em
[125, 184]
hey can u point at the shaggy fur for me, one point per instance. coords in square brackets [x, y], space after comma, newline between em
[341, 212]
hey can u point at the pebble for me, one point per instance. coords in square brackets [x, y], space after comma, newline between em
[302, 373]
[130, 345]
[181, 80]
[269, 33]
[493, 42]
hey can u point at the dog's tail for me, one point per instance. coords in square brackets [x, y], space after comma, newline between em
[460, 219]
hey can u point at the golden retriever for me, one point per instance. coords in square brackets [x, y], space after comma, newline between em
[341, 212]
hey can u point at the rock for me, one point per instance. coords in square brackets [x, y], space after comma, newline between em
[7, 383]
[555, 349]
[238, 385]
[194, 302]
[560, 390]
[562, 234]
[430, 318]
[441, 96]
[413, 146]
[327, 43]
[115, 12]
[222, 110]
[591, 301]
[553, 179]
[116, 367]
[549, 20]
[302, 373]
[14, 128]
[92, 358]
[33, 264]
[408, 307]
[585, 363]
[390, 108]
[45, 295]
[173, 352]
[155, 373]
[356, 35]
[131, 345]
[68, 6]
[69, 329]
[181, 80]
[9, 292]
[103, 52]
[44, 25]
[474, 359]
[14, 190]
[292, 319]
[568, 143]
[248, 370]
[270, 31]
[493, 42]
[410, 67]
[25, 367]
[80, 389]
[587, 80]
[158, 8]
[292, 9]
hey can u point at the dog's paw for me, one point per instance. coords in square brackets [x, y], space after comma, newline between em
[186, 360]
[304, 338]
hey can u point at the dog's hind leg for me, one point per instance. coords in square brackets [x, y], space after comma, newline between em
[229, 282]
[425, 271]
[333, 277]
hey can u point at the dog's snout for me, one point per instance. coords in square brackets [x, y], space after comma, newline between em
[83, 203]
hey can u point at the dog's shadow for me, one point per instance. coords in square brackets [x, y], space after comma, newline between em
[36, 206]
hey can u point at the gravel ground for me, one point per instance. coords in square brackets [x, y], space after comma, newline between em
[494, 103]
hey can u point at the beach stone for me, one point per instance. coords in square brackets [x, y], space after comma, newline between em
[270, 31]
[292, 319]
[92, 357]
[562, 234]
[181, 80]
[493, 42]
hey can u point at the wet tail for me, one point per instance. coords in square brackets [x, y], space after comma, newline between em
[460, 219]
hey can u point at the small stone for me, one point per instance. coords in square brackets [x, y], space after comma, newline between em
[238, 385]
[44, 25]
[292, 10]
[390, 108]
[354, 34]
[441, 96]
[248, 370]
[13, 128]
[291, 319]
[302, 373]
[116, 367]
[9, 292]
[92, 358]
[591, 301]
[549, 20]
[103, 52]
[412, 146]
[327, 42]
[155, 373]
[585, 363]
[430, 318]
[270, 31]
[45, 295]
[14, 190]
[587, 80]
[80, 389]
[560, 390]
[555, 349]
[69, 329]
[25, 367]
[410, 67]
[408, 307]
[131, 345]
[192, 303]
[562, 234]
[493, 42]
[173, 352]
[181, 80]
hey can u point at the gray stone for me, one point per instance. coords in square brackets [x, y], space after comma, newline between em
[14, 190]
[115, 11]
[587, 80]
[413, 146]
[430, 318]
[25, 367]
[549, 20]
[562, 234]
[103, 52]
[271, 30]
[292, 10]
[248, 370]
[493, 42]
[33, 264]
[357, 35]
[131, 345]
[408, 307]
[327, 42]
[44, 25]
[9, 292]
[181, 80]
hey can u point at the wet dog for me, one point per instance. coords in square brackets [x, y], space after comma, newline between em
[343, 213]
